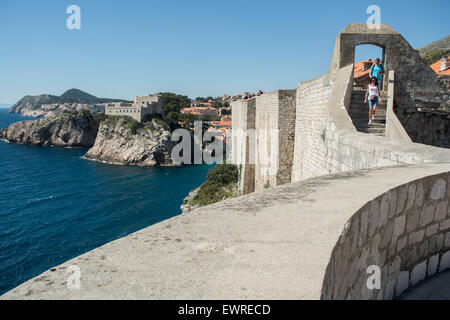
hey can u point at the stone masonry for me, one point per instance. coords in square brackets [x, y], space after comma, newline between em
[141, 106]
[405, 232]
[325, 140]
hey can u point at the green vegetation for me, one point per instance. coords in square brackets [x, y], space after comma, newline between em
[172, 104]
[79, 96]
[436, 55]
[435, 50]
[221, 182]
[133, 125]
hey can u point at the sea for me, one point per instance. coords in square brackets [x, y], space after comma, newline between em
[55, 205]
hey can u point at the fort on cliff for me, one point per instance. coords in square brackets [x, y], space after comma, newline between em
[141, 106]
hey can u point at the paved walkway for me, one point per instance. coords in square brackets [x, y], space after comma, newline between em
[435, 288]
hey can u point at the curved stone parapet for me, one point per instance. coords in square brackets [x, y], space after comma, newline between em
[403, 232]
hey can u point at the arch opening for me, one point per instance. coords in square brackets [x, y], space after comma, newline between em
[364, 58]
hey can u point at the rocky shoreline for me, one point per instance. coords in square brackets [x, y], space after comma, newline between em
[112, 140]
[186, 206]
[118, 143]
[65, 130]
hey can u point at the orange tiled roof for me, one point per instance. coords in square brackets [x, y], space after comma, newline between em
[437, 66]
[357, 69]
[222, 123]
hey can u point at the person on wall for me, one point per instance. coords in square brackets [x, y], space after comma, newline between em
[377, 71]
[373, 93]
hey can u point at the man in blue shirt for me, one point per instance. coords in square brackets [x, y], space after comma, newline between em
[377, 71]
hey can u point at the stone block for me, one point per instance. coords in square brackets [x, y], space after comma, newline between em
[392, 203]
[411, 196]
[416, 237]
[419, 195]
[441, 211]
[374, 217]
[401, 283]
[427, 214]
[412, 220]
[389, 290]
[432, 265]
[444, 225]
[436, 242]
[363, 227]
[401, 198]
[447, 240]
[386, 235]
[444, 264]
[399, 225]
[401, 243]
[438, 189]
[432, 229]
[418, 273]
[384, 209]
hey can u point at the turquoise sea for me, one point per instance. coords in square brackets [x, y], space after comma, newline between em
[54, 205]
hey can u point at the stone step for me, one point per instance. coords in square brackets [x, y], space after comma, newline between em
[363, 93]
[366, 118]
[365, 107]
[378, 133]
[361, 101]
[370, 128]
[373, 125]
[366, 113]
[361, 121]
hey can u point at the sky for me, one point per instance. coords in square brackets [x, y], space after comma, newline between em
[190, 47]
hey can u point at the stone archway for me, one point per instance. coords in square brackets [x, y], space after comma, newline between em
[416, 84]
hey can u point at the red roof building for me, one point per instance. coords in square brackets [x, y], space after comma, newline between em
[442, 66]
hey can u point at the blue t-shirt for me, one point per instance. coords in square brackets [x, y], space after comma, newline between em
[375, 71]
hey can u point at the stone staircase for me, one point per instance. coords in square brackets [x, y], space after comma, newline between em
[359, 113]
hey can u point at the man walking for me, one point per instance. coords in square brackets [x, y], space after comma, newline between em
[377, 71]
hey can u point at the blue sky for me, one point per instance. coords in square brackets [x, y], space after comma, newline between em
[196, 48]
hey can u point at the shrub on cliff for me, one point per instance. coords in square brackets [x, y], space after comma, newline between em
[221, 182]
[223, 174]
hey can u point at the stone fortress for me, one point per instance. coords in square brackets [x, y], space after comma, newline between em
[316, 121]
[322, 129]
[141, 106]
[340, 200]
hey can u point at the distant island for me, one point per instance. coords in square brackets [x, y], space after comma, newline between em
[48, 105]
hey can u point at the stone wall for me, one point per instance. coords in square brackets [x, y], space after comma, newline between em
[434, 125]
[405, 232]
[275, 118]
[243, 123]
[310, 129]
[326, 140]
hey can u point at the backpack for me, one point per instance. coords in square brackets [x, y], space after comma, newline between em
[382, 67]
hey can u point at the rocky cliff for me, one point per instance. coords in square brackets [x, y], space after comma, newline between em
[32, 105]
[65, 130]
[124, 141]
[28, 104]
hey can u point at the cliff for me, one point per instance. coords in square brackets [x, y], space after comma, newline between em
[124, 141]
[32, 105]
[65, 130]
